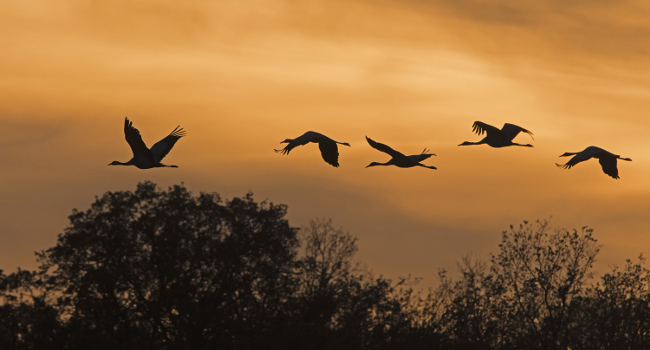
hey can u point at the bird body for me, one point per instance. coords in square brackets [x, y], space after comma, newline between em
[328, 148]
[495, 137]
[399, 159]
[143, 157]
[606, 159]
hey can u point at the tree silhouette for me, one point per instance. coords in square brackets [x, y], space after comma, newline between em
[542, 274]
[342, 305]
[326, 269]
[529, 294]
[616, 312]
[155, 269]
[163, 269]
[28, 317]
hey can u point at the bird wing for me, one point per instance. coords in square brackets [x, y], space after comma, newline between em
[301, 140]
[132, 135]
[162, 147]
[480, 128]
[609, 166]
[330, 152]
[511, 130]
[384, 148]
[586, 154]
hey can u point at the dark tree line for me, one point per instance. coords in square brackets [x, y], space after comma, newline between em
[155, 269]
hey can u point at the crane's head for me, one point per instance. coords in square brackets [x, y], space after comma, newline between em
[467, 143]
[287, 141]
[374, 163]
[568, 154]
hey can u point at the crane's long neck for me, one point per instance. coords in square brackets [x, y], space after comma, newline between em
[117, 162]
[377, 163]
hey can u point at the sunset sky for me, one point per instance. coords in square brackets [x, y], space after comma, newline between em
[241, 76]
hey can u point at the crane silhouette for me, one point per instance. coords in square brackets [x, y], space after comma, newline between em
[143, 157]
[495, 137]
[606, 159]
[399, 159]
[328, 148]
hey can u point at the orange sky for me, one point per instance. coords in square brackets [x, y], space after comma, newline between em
[241, 76]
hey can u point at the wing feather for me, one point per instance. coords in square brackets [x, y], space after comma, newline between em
[161, 148]
[384, 148]
[480, 128]
[301, 140]
[586, 154]
[134, 139]
[609, 166]
[578, 158]
[510, 131]
[330, 152]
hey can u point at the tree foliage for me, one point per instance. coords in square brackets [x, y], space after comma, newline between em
[151, 268]
[616, 313]
[154, 269]
[535, 294]
[163, 269]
